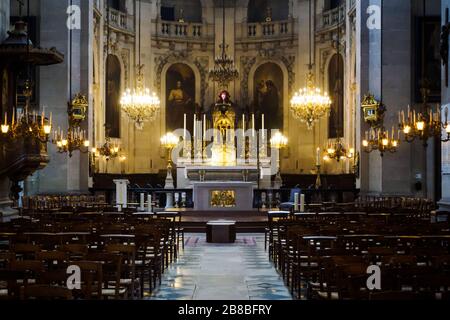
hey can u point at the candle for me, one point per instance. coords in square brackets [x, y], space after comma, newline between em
[262, 126]
[141, 202]
[6, 114]
[204, 127]
[50, 120]
[302, 203]
[243, 126]
[296, 201]
[399, 117]
[149, 202]
[184, 127]
[12, 122]
[318, 156]
[253, 125]
[195, 124]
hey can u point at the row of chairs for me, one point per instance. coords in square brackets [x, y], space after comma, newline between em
[116, 259]
[328, 259]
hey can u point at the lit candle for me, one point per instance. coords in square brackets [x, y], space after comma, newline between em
[12, 122]
[42, 118]
[318, 156]
[50, 120]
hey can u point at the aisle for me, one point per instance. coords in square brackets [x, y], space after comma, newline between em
[239, 271]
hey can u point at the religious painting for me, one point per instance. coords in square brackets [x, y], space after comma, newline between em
[113, 89]
[428, 59]
[336, 93]
[268, 95]
[180, 97]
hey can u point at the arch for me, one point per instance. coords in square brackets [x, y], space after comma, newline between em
[180, 95]
[276, 72]
[260, 10]
[335, 79]
[176, 10]
[113, 86]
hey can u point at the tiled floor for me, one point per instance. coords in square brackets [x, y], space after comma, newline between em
[239, 271]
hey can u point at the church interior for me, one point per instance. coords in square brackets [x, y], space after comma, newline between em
[224, 150]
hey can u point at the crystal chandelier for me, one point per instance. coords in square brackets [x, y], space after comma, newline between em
[309, 104]
[224, 70]
[138, 104]
[381, 140]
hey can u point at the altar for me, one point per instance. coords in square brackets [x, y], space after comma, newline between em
[226, 159]
[220, 196]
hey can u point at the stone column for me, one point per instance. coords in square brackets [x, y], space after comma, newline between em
[121, 192]
[381, 59]
[444, 203]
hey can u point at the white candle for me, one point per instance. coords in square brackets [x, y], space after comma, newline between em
[296, 201]
[318, 156]
[262, 126]
[302, 203]
[204, 127]
[253, 125]
[195, 125]
[141, 202]
[243, 125]
[149, 203]
[184, 127]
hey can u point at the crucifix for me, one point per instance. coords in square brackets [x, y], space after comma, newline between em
[21, 4]
[445, 32]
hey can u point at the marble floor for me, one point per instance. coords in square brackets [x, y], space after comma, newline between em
[238, 271]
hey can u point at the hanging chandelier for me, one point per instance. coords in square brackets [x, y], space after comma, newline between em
[381, 140]
[108, 150]
[338, 151]
[224, 70]
[309, 104]
[425, 124]
[138, 104]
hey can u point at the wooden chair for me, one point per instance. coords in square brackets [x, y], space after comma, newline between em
[46, 292]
